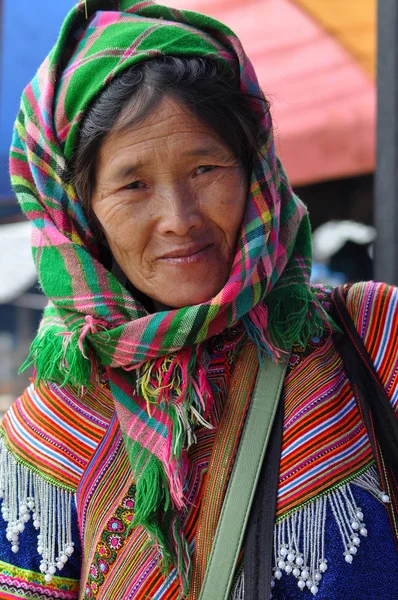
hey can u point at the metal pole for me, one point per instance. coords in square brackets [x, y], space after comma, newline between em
[386, 181]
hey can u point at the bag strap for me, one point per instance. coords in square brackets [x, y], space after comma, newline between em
[259, 537]
[243, 482]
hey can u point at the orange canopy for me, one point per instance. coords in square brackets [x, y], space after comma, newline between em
[315, 62]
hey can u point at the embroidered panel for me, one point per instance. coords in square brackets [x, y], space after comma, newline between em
[324, 439]
[21, 583]
[374, 308]
[54, 433]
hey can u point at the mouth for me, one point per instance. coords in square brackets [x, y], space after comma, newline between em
[187, 254]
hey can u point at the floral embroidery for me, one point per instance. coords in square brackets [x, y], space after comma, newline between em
[127, 517]
[115, 525]
[112, 540]
[115, 542]
[128, 503]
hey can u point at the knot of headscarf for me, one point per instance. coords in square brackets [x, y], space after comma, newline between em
[156, 362]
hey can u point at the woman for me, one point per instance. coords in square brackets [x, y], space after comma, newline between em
[174, 255]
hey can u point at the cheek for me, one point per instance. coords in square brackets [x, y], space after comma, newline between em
[229, 207]
[125, 234]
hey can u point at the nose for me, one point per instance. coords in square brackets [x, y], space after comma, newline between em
[180, 212]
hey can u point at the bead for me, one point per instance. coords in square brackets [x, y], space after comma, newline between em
[288, 569]
[323, 567]
[14, 537]
[21, 527]
[43, 567]
[301, 584]
[296, 572]
[51, 570]
[348, 558]
[355, 525]
[31, 504]
[317, 577]
[63, 558]
[308, 583]
[23, 509]
[385, 498]
[353, 550]
[9, 535]
[69, 550]
[314, 589]
[299, 561]
[278, 574]
[15, 529]
[15, 548]
[360, 515]
[59, 565]
[283, 551]
[363, 531]
[40, 549]
[272, 583]
[290, 557]
[356, 540]
[36, 523]
[281, 564]
[304, 574]
[5, 515]
[25, 517]
[48, 577]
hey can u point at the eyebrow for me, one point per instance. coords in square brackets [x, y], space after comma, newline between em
[128, 171]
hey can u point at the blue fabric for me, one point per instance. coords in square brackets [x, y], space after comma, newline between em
[27, 556]
[372, 575]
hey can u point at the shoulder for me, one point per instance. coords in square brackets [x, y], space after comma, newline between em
[55, 431]
[374, 310]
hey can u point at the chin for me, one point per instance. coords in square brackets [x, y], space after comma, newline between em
[190, 297]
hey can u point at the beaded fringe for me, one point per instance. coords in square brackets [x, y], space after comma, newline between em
[27, 496]
[299, 539]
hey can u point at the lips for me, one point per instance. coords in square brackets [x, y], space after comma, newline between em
[186, 252]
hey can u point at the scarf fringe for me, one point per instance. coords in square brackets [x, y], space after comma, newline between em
[26, 496]
[59, 356]
[288, 317]
[154, 511]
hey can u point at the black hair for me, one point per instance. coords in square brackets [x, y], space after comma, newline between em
[205, 86]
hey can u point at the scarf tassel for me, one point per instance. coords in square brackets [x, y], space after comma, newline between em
[289, 317]
[154, 511]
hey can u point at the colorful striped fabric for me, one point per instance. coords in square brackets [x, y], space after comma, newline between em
[92, 318]
[21, 583]
[63, 431]
[377, 323]
[117, 562]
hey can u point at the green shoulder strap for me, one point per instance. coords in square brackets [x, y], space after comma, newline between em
[242, 486]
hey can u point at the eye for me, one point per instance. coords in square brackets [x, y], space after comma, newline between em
[205, 169]
[135, 185]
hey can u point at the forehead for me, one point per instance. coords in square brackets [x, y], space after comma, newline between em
[170, 126]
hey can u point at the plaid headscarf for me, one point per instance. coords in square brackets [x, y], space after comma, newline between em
[156, 363]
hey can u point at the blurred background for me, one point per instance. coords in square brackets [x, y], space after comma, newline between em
[315, 60]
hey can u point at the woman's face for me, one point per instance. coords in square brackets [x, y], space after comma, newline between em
[170, 197]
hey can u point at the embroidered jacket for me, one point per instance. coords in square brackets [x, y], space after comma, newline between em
[65, 477]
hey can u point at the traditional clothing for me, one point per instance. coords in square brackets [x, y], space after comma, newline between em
[136, 417]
